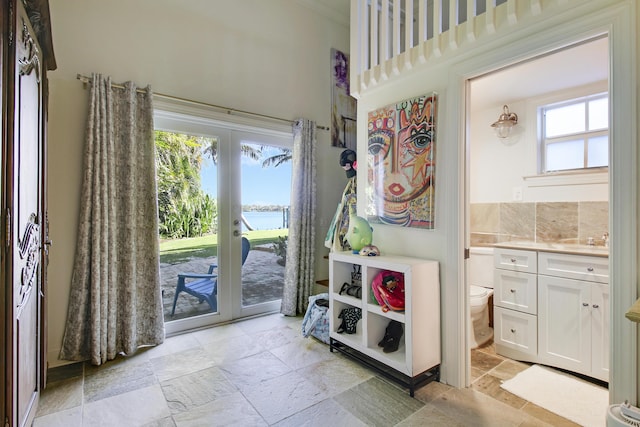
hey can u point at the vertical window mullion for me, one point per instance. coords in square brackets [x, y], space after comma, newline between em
[585, 140]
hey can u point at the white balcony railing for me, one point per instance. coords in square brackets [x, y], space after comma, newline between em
[389, 36]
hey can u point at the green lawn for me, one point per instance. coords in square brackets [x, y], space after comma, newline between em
[179, 250]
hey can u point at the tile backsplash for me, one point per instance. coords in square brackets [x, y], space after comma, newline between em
[552, 222]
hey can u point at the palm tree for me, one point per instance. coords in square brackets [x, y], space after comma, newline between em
[178, 160]
[277, 159]
[210, 148]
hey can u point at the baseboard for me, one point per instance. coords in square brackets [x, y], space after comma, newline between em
[54, 362]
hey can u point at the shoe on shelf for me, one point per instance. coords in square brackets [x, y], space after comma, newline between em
[393, 335]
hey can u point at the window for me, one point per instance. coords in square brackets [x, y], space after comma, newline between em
[575, 134]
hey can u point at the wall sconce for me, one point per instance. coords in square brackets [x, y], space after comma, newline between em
[504, 123]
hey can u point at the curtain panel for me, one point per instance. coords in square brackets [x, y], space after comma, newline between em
[115, 302]
[299, 270]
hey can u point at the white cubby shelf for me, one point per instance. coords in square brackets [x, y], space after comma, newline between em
[417, 360]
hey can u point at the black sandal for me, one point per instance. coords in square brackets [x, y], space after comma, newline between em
[351, 290]
[345, 287]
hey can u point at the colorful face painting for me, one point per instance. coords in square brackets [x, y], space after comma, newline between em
[401, 163]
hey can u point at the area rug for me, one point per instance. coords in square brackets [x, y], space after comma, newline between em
[563, 394]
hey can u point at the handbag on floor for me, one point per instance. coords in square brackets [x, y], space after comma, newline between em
[316, 320]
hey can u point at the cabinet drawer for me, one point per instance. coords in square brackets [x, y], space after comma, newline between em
[589, 268]
[516, 260]
[515, 330]
[515, 290]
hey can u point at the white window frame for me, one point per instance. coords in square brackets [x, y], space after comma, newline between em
[544, 141]
[534, 130]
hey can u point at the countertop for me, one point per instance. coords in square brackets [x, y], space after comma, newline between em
[562, 248]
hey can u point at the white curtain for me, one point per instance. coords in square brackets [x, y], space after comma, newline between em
[115, 303]
[299, 270]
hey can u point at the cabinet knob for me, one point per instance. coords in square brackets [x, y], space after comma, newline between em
[590, 269]
[585, 304]
[595, 306]
[513, 291]
[513, 330]
[513, 260]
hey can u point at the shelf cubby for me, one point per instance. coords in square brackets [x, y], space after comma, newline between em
[417, 360]
[335, 321]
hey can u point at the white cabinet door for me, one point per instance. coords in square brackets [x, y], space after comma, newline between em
[564, 323]
[600, 335]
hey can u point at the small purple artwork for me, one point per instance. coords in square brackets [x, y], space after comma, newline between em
[343, 105]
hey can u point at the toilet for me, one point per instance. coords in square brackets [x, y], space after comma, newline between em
[480, 277]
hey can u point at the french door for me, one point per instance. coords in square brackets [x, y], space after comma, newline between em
[234, 176]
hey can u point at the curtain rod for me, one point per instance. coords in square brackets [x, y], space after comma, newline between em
[87, 80]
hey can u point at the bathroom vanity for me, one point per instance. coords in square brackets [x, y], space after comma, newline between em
[551, 305]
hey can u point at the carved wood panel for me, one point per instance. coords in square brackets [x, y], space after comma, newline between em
[26, 210]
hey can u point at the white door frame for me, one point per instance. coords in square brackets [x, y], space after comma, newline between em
[618, 22]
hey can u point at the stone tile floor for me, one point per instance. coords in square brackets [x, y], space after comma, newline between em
[262, 281]
[261, 372]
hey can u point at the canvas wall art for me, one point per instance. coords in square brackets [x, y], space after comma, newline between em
[343, 105]
[401, 163]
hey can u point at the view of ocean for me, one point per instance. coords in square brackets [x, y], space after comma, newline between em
[260, 220]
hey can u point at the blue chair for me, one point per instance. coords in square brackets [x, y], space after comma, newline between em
[205, 288]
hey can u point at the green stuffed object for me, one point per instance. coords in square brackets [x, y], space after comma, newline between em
[360, 233]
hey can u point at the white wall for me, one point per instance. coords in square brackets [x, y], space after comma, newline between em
[496, 167]
[499, 168]
[269, 57]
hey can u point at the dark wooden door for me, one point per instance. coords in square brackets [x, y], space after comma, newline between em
[25, 218]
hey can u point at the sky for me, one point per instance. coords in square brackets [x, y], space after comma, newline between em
[260, 186]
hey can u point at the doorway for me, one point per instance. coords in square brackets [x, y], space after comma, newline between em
[247, 192]
[511, 202]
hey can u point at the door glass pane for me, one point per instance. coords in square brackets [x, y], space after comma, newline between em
[598, 152]
[266, 189]
[565, 155]
[565, 120]
[188, 221]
